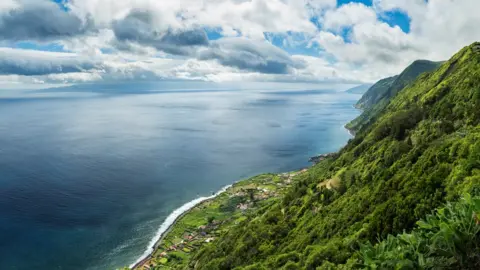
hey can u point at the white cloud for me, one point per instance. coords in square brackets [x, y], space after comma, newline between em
[370, 43]
[412, 7]
[48, 67]
[77, 77]
[439, 28]
[245, 54]
[348, 15]
[151, 39]
[251, 18]
[31, 62]
[7, 5]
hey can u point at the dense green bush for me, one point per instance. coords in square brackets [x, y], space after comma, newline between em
[448, 239]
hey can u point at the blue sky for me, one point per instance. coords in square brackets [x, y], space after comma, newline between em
[321, 41]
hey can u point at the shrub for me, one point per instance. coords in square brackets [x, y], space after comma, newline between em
[447, 239]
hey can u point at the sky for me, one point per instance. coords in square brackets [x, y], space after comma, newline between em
[314, 41]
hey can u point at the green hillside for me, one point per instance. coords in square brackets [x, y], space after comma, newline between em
[409, 75]
[375, 93]
[379, 95]
[421, 150]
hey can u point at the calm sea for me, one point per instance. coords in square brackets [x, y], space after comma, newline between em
[88, 173]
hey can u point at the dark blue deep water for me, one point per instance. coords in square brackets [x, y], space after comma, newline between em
[88, 173]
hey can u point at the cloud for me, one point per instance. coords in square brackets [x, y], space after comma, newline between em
[244, 54]
[251, 18]
[7, 5]
[376, 49]
[139, 27]
[266, 40]
[371, 49]
[441, 27]
[30, 63]
[348, 15]
[130, 29]
[48, 67]
[39, 20]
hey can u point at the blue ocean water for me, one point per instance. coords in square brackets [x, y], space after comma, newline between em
[88, 173]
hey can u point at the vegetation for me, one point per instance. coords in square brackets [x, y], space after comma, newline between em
[380, 94]
[208, 220]
[375, 93]
[449, 239]
[418, 149]
[371, 205]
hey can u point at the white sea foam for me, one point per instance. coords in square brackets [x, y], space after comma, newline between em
[170, 220]
[349, 131]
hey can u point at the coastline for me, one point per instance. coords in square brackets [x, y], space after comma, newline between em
[170, 222]
[351, 132]
[206, 218]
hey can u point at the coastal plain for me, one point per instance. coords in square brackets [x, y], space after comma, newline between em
[202, 224]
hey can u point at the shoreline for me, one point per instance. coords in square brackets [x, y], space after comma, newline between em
[193, 221]
[169, 222]
[177, 214]
[351, 132]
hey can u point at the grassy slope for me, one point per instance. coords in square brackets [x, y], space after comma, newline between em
[423, 149]
[380, 94]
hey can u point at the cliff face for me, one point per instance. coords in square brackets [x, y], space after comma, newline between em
[420, 149]
[374, 93]
[380, 94]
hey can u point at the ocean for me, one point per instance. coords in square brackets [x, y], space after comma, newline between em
[89, 173]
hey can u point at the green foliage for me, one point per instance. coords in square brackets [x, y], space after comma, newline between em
[397, 124]
[210, 219]
[449, 239]
[418, 148]
[374, 93]
[231, 204]
[379, 95]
